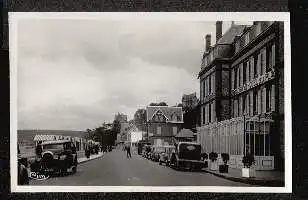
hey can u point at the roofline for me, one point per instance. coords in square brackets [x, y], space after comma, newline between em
[55, 141]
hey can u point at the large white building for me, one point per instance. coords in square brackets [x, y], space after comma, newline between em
[242, 94]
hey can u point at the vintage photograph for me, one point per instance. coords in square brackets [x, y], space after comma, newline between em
[149, 101]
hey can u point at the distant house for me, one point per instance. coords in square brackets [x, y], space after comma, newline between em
[189, 101]
[163, 124]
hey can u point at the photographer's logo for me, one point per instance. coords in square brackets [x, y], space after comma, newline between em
[39, 175]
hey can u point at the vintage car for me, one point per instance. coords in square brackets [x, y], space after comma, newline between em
[146, 151]
[165, 156]
[187, 155]
[141, 145]
[57, 157]
[157, 151]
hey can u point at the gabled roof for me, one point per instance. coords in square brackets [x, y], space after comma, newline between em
[232, 32]
[167, 111]
[185, 133]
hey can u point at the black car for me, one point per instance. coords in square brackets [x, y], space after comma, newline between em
[57, 157]
[187, 155]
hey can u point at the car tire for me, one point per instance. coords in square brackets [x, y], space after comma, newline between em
[159, 162]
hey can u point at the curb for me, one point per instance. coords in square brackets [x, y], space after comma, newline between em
[258, 182]
[79, 162]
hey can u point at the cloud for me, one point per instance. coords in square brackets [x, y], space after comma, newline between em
[76, 74]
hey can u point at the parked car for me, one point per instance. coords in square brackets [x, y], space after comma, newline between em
[164, 157]
[187, 155]
[57, 157]
[148, 149]
[141, 145]
[156, 153]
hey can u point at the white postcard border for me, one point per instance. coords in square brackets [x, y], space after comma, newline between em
[197, 16]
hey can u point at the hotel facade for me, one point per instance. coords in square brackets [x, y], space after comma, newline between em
[242, 94]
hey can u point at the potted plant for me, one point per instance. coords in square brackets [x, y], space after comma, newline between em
[213, 157]
[224, 168]
[204, 158]
[247, 171]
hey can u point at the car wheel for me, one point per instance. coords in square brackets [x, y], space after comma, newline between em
[159, 162]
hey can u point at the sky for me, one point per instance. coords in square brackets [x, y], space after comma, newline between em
[77, 74]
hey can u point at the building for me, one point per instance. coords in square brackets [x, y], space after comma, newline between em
[189, 101]
[241, 94]
[124, 131]
[120, 118]
[163, 124]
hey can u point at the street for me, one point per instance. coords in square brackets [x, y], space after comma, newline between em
[115, 169]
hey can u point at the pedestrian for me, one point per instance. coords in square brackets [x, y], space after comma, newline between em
[128, 154]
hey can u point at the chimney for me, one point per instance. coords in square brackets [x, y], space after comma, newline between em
[218, 30]
[207, 42]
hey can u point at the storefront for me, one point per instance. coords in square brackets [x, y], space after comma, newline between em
[232, 137]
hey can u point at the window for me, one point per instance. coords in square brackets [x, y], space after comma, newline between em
[235, 77]
[269, 58]
[247, 38]
[158, 130]
[258, 28]
[203, 84]
[268, 99]
[174, 130]
[244, 72]
[247, 70]
[244, 104]
[255, 100]
[239, 76]
[210, 112]
[203, 121]
[263, 61]
[210, 84]
[255, 66]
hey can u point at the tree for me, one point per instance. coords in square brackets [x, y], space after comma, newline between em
[140, 118]
[159, 104]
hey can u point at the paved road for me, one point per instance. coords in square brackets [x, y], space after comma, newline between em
[114, 169]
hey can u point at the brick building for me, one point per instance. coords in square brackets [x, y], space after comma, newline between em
[163, 124]
[242, 99]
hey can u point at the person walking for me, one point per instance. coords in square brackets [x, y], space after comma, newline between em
[128, 154]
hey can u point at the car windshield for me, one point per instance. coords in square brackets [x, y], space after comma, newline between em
[54, 146]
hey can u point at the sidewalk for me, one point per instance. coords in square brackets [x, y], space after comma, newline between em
[92, 157]
[263, 178]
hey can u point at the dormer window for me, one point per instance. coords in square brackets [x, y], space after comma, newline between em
[247, 38]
